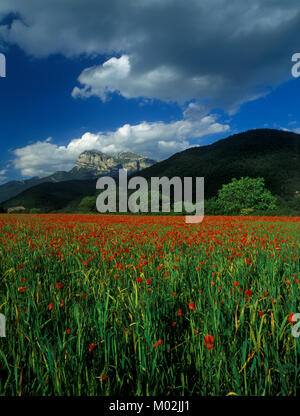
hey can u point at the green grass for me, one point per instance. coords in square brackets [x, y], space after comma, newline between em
[103, 257]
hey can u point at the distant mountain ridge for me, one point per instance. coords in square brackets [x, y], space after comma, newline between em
[51, 196]
[89, 165]
[271, 154]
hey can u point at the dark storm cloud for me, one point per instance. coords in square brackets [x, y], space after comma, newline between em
[218, 52]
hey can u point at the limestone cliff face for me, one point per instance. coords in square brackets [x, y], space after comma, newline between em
[96, 163]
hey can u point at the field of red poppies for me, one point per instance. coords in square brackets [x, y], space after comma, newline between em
[134, 305]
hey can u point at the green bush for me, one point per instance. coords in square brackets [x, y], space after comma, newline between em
[212, 207]
[88, 204]
[244, 194]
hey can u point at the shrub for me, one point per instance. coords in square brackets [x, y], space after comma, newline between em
[245, 193]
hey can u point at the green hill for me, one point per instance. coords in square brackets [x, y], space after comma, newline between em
[271, 154]
[50, 196]
[10, 189]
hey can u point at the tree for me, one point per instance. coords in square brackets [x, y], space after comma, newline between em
[245, 194]
[88, 204]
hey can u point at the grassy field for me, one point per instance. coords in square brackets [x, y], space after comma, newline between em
[132, 305]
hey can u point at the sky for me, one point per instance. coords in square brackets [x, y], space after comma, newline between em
[149, 76]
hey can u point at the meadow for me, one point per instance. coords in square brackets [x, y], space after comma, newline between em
[134, 305]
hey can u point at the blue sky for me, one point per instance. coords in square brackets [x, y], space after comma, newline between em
[145, 86]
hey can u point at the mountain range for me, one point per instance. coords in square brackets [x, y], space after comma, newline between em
[271, 154]
[89, 165]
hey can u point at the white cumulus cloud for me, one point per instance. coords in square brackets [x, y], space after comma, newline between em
[157, 140]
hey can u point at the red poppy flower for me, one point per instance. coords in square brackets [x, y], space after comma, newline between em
[51, 305]
[22, 289]
[192, 306]
[179, 312]
[235, 283]
[291, 318]
[208, 339]
[140, 279]
[92, 346]
[261, 314]
[159, 342]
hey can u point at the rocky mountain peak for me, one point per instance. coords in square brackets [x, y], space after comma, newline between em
[97, 163]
